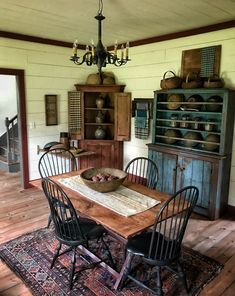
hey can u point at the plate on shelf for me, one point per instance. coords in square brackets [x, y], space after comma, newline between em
[174, 101]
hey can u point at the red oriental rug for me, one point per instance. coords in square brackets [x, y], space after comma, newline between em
[29, 256]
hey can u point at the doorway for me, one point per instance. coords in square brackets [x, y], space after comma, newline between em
[22, 126]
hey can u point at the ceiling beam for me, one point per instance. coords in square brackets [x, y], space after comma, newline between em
[186, 33]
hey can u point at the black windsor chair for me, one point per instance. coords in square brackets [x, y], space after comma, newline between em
[55, 162]
[70, 229]
[142, 170]
[160, 246]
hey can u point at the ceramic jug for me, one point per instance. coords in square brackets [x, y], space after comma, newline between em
[99, 117]
[100, 102]
[100, 133]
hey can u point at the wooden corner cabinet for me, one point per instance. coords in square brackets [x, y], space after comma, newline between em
[99, 117]
[192, 143]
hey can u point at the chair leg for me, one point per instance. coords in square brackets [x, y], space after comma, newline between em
[124, 252]
[182, 276]
[159, 282]
[49, 221]
[56, 254]
[72, 269]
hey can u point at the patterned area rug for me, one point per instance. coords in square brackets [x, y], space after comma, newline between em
[30, 255]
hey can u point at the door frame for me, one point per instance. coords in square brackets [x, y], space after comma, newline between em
[22, 123]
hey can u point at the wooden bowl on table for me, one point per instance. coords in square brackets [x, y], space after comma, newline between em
[103, 179]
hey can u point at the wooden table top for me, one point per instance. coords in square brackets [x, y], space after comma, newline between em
[123, 227]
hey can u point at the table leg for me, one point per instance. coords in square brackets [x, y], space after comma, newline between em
[116, 274]
[120, 275]
[96, 259]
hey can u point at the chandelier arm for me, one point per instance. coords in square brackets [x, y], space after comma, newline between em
[111, 58]
[119, 63]
[85, 58]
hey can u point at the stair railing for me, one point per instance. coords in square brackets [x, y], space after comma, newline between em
[12, 138]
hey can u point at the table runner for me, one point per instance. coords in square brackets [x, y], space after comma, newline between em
[123, 201]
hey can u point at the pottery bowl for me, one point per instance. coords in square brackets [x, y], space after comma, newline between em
[105, 185]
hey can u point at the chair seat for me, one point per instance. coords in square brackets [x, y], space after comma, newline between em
[89, 228]
[139, 245]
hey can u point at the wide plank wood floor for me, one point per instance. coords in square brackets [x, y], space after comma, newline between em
[23, 211]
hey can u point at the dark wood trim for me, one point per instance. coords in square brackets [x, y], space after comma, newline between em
[186, 33]
[12, 35]
[100, 87]
[22, 122]
[231, 210]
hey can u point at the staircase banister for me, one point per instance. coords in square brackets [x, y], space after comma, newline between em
[11, 145]
[9, 121]
[14, 118]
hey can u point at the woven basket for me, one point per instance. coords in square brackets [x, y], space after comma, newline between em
[108, 78]
[213, 82]
[192, 81]
[171, 82]
[93, 79]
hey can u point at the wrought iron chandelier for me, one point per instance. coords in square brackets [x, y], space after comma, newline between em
[99, 55]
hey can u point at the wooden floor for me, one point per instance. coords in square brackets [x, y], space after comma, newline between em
[22, 211]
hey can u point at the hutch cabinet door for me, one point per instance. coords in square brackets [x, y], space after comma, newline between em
[122, 116]
[166, 164]
[197, 173]
[107, 154]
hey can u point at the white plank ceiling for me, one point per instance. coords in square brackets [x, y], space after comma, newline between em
[126, 20]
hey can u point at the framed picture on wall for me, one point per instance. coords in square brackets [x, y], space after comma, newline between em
[203, 61]
[51, 109]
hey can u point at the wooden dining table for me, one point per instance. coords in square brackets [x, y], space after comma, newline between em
[118, 226]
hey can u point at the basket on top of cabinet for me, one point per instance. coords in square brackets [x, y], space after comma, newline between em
[194, 119]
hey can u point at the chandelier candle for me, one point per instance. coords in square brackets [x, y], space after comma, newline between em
[127, 50]
[75, 48]
[115, 48]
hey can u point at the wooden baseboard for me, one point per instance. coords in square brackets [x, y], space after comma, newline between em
[231, 210]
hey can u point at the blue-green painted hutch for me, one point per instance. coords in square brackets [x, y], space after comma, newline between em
[192, 144]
